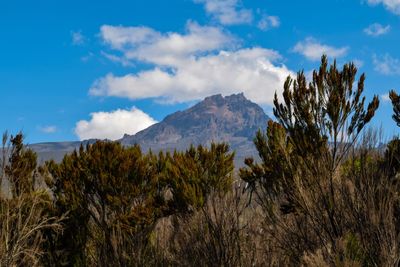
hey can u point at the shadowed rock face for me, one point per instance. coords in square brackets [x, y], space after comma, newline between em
[232, 119]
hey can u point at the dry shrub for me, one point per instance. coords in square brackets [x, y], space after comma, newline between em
[225, 232]
[23, 219]
[128, 248]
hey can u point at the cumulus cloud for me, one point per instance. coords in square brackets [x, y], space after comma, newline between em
[113, 125]
[190, 66]
[386, 64]
[391, 5]
[49, 129]
[227, 12]
[148, 45]
[119, 37]
[377, 29]
[313, 50]
[268, 22]
[246, 70]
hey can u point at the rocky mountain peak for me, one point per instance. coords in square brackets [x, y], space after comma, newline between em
[217, 99]
[233, 119]
[220, 100]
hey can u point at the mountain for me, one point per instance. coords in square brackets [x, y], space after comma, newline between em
[56, 150]
[232, 119]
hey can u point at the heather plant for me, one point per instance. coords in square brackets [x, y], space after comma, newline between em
[115, 196]
[309, 203]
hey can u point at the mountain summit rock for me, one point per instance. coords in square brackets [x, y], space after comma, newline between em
[232, 119]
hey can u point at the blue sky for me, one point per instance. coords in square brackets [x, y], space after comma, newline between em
[72, 70]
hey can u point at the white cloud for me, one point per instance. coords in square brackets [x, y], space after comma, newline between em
[392, 5]
[78, 38]
[386, 64]
[49, 129]
[377, 29]
[227, 12]
[251, 71]
[119, 37]
[117, 59]
[313, 50]
[385, 97]
[146, 44]
[190, 66]
[113, 125]
[268, 22]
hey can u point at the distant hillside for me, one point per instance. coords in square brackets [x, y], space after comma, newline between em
[56, 150]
